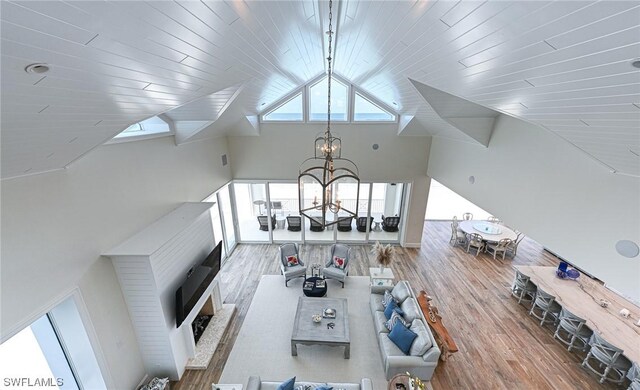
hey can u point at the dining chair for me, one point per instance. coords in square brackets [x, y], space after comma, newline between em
[457, 236]
[512, 248]
[609, 360]
[523, 288]
[634, 376]
[571, 330]
[493, 219]
[467, 216]
[474, 240]
[499, 247]
[548, 307]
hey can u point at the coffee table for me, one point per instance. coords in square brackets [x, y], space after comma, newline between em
[307, 332]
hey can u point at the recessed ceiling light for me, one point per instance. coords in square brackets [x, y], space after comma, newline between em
[636, 64]
[37, 68]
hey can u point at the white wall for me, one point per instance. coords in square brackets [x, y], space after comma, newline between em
[279, 150]
[55, 225]
[553, 192]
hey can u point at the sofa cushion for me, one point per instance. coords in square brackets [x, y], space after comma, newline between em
[288, 384]
[410, 309]
[378, 322]
[422, 343]
[402, 337]
[391, 307]
[401, 291]
[375, 301]
[395, 317]
[386, 298]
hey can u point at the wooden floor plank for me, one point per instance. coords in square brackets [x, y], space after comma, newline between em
[501, 346]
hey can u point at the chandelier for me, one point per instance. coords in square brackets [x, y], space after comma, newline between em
[324, 173]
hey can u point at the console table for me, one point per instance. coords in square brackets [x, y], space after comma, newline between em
[440, 333]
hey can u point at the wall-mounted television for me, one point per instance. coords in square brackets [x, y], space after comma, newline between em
[198, 279]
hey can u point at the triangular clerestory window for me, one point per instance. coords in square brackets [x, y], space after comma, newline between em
[289, 111]
[364, 110]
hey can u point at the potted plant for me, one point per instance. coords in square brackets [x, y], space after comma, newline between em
[383, 254]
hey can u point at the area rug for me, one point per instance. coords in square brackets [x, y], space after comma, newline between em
[263, 346]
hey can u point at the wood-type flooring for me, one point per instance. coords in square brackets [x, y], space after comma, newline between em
[500, 345]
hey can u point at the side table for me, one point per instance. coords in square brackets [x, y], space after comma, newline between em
[381, 281]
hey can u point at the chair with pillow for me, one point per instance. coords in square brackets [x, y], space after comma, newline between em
[337, 267]
[291, 266]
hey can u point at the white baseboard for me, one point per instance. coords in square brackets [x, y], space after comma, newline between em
[412, 245]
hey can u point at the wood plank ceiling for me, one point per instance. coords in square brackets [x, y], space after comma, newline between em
[564, 65]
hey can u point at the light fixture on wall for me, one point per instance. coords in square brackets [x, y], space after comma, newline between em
[326, 170]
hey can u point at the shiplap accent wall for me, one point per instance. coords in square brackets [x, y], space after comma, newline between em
[151, 266]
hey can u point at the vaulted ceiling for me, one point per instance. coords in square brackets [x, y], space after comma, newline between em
[564, 65]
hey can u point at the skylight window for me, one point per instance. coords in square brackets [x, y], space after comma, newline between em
[151, 126]
[364, 110]
[318, 101]
[289, 111]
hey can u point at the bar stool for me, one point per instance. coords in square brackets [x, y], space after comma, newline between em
[548, 307]
[576, 330]
[523, 288]
[609, 357]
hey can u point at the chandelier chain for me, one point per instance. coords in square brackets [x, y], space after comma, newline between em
[329, 71]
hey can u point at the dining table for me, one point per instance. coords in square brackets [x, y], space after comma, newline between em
[583, 298]
[489, 231]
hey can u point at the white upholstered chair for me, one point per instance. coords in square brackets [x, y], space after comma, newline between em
[294, 271]
[331, 271]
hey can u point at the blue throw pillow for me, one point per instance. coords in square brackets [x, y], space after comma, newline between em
[288, 384]
[391, 307]
[402, 336]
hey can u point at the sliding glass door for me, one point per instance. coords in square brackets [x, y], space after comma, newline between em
[269, 212]
[283, 203]
[386, 208]
[254, 221]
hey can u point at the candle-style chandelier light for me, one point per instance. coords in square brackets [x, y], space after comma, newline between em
[323, 174]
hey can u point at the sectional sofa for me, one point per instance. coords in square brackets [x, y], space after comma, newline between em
[424, 353]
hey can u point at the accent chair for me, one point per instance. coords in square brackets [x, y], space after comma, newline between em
[344, 224]
[263, 220]
[294, 223]
[291, 271]
[314, 226]
[361, 224]
[331, 270]
[390, 224]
